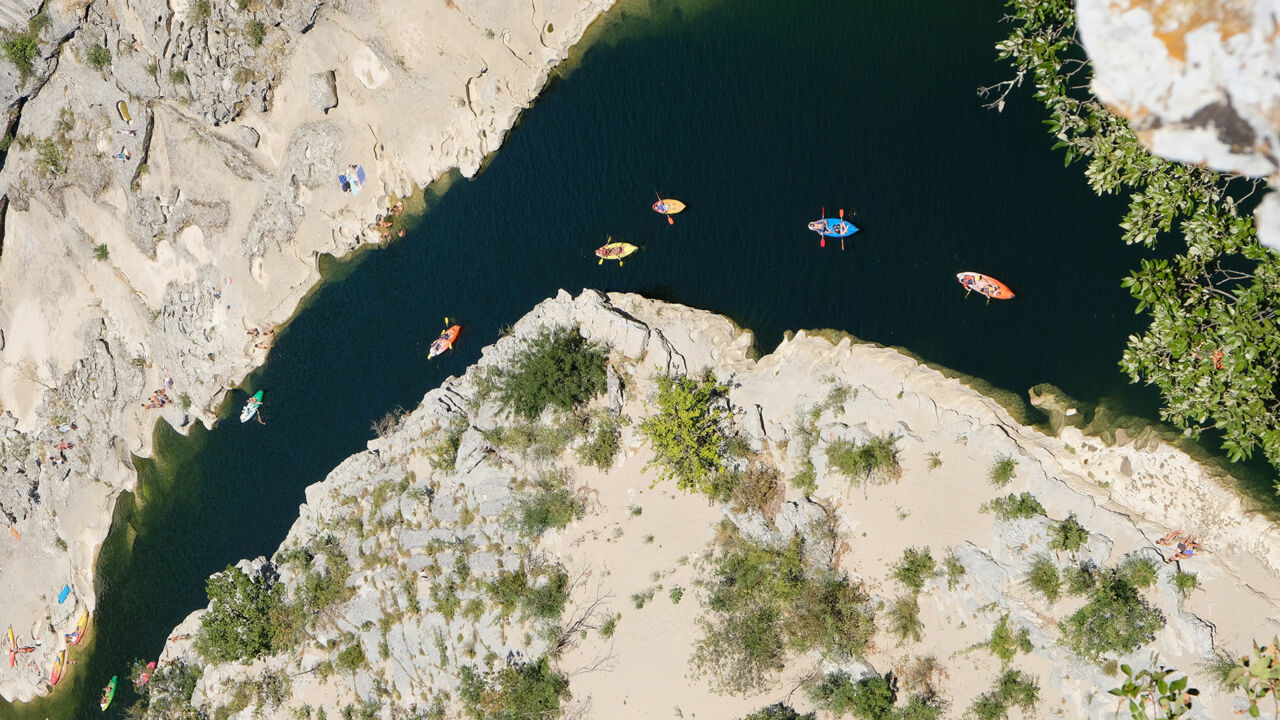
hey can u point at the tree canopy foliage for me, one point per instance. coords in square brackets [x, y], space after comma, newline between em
[240, 622]
[1212, 347]
[690, 432]
[557, 368]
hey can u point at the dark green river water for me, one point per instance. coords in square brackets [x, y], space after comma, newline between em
[755, 113]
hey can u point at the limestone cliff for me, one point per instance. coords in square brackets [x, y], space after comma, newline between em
[423, 521]
[1199, 80]
[170, 175]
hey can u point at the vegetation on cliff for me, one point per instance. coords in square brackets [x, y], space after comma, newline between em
[1212, 346]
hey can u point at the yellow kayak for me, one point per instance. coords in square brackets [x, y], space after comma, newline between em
[123, 109]
[615, 251]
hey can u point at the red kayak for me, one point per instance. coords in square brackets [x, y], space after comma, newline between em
[984, 285]
[445, 341]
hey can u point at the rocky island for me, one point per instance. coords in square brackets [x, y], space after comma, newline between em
[485, 556]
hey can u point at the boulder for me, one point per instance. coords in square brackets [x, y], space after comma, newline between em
[247, 136]
[322, 90]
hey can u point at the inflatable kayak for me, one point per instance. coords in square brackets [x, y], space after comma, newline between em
[108, 694]
[123, 109]
[251, 407]
[833, 227]
[984, 285]
[668, 206]
[445, 341]
[58, 662]
[615, 251]
[75, 637]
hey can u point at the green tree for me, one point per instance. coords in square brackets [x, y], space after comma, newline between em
[875, 459]
[690, 432]
[1212, 347]
[556, 368]
[240, 621]
[1116, 619]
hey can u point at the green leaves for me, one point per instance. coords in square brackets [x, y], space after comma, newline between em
[1171, 699]
[1212, 347]
[689, 434]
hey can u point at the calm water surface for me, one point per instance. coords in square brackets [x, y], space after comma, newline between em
[755, 113]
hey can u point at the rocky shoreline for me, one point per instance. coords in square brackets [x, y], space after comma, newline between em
[422, 521]
[143, 244]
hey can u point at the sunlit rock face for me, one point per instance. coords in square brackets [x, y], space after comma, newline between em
[1199, 80]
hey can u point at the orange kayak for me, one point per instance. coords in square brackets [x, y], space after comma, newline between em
[445, 341]
[984, 285]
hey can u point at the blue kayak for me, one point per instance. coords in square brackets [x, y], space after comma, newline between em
[833, 227]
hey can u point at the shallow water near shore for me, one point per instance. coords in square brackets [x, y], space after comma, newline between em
[757, 114]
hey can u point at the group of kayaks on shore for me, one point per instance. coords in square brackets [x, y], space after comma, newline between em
[826, 227]
[60, 662]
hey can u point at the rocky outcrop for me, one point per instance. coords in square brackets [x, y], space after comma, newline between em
[168, 190]
[405, 518]
[1198, 79]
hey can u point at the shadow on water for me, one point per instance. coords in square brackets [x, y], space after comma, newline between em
[757, 118]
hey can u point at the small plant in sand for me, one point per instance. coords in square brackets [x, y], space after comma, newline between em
[1043, 578]
[1068, 535]
[1139, 571]
[549, 504]
[933, 460]
[756, 488]
[954, 569]
[875, 460]
[904, 618]
[915, 567]
[1014, 507]
[610, 626]
[690, 432]
[1006, 642]
[1001, 472]
[1168, 698]
[1185, 582]
[556, 368]
[1013, 688]
[604, 441]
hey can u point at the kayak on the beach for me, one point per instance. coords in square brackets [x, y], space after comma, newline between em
[445, 341]
[984, 285]
[58, 662]
[614, 251]
[123, 109]
[668, 207]
[108, 693]
[251, 407]
[78, 634]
